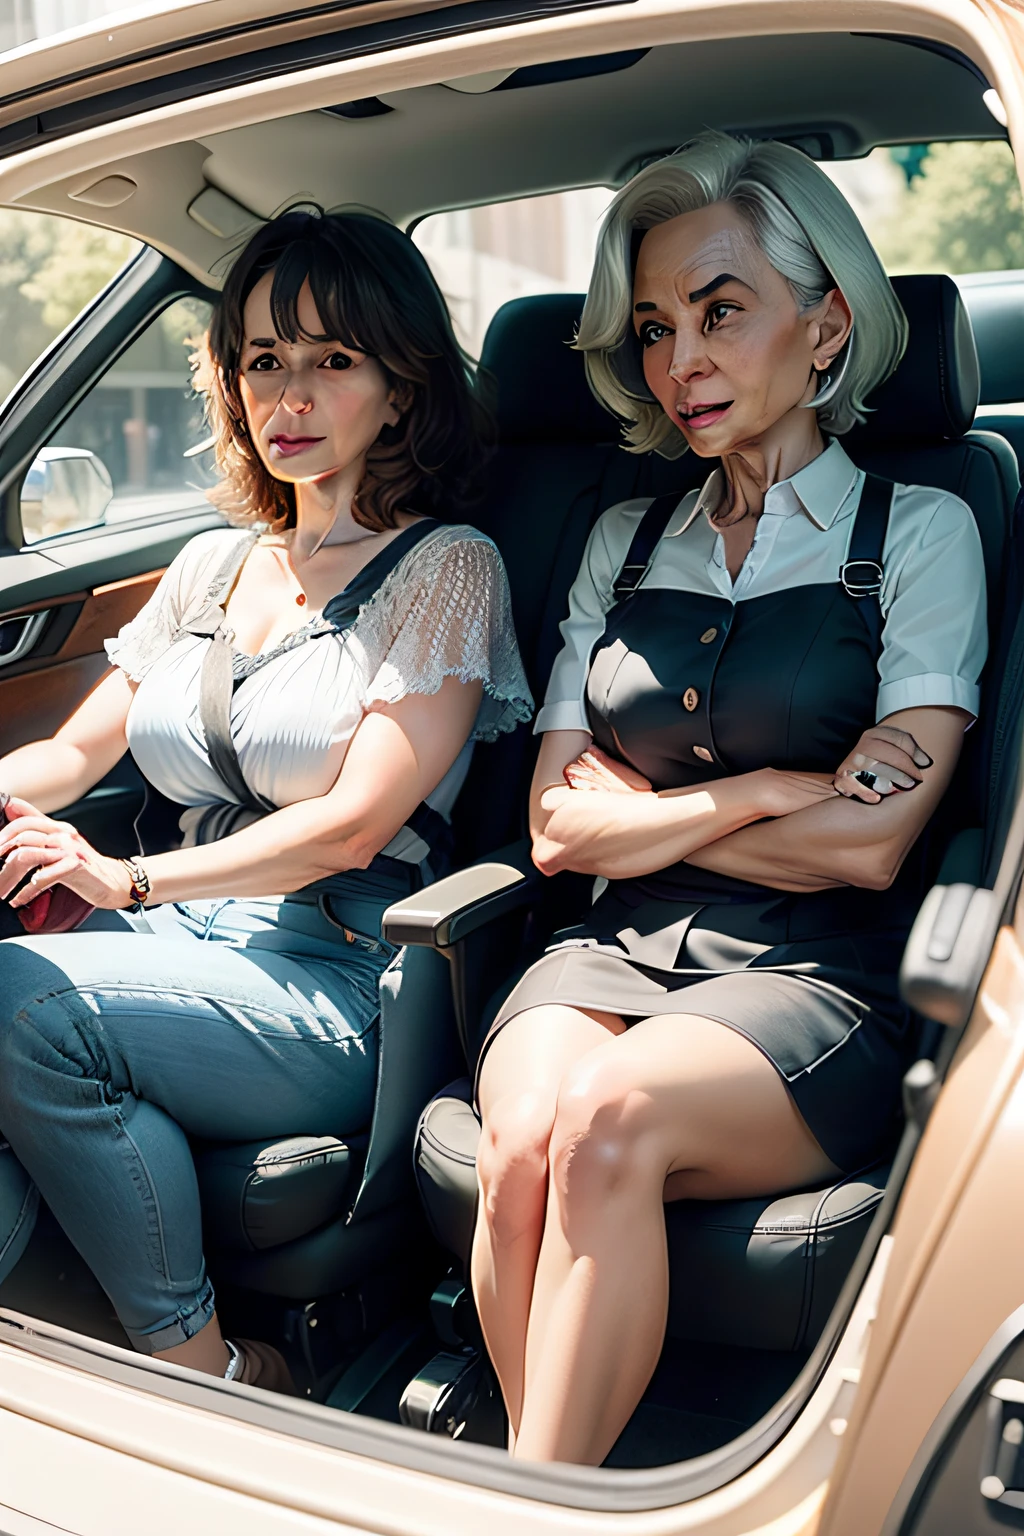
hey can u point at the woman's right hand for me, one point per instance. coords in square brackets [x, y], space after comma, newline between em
[594, 770]
[781, 791]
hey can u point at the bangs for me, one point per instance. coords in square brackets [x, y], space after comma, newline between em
[351, 299]
[332, 285]
[373, 293]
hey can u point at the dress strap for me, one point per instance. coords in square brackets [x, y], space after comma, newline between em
[648, 535]
[862, 572]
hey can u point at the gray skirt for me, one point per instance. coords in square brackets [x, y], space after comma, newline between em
[801, 977]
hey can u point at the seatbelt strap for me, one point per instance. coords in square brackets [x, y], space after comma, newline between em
[216, 687]
[862, 572]
[217, 681]
[648, 535]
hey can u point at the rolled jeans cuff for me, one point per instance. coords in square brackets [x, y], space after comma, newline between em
[184, 1325]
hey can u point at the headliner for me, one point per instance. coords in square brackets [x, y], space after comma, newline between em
[443, 148]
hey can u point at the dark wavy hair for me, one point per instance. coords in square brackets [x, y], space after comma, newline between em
[375, 294]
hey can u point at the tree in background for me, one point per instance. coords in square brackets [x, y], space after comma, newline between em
[49, 270]
[961, 212]
[80, 261]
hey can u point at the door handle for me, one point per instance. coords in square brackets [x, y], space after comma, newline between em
[19, 634]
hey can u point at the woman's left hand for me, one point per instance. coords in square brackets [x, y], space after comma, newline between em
[890, 760]
[595, 770]
[56, 853]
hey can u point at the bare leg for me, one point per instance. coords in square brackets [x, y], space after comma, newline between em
[518, 1092]
[678, 1107]
[205, 1351]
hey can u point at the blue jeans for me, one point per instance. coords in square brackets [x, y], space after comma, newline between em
[229, 1020]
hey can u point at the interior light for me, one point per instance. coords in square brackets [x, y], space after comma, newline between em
[992, 100]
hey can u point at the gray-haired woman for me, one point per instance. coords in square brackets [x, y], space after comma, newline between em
[731, 738]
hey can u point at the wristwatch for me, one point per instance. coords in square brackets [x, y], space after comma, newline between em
[140, 886]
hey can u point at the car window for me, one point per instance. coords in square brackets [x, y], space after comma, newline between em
[50, 269]
[134, 446]
[484, 256]
[951, 208]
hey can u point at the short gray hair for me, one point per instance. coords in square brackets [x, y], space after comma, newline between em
[806, 229]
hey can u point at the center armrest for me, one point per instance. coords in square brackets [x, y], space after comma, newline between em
[442, 914]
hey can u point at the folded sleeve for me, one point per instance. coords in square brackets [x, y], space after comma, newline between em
[445, 611]
[935, 639]
[590, 598]
[154, 629]
[188, 582]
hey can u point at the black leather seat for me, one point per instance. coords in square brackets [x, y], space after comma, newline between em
[995, 304]
[756, 1272]
[302, 1217]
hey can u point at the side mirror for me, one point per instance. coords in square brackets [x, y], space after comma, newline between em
[63, 490]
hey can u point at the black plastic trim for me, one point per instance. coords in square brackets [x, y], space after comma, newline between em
[571, 69]
[947, 1421]
[944, 51]
[266, 63]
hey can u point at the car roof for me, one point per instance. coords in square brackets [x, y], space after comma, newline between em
[532, 130]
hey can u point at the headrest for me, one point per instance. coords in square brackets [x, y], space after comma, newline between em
[934, 392]
[994, 303]
[543, 395]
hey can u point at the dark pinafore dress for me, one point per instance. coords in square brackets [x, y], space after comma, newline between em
[689, 687]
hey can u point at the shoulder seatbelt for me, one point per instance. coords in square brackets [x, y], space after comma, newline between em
[862, 572]
[216, 682]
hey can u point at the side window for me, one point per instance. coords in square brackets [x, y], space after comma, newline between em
[134, 446]
[484, 256]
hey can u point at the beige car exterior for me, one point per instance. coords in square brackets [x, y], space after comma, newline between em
[102, 1453]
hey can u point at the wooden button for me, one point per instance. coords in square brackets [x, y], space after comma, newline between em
[703, 754]
[691, 698]
[709, 635]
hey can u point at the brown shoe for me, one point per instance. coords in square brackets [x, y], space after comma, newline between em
[263, 1366]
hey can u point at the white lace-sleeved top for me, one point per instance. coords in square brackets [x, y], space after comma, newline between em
[443, 611]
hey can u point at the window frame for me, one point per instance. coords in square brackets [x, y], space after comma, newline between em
[68, 371]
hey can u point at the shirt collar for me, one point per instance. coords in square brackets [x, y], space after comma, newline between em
[819, 490]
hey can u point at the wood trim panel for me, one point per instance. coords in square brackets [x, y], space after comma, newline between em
[40, 695]
[105, 610]
[34, 704]
[45, 602]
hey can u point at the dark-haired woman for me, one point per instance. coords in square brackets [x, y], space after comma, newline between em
[304, 688]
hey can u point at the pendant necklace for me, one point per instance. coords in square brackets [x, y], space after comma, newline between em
[286, 566]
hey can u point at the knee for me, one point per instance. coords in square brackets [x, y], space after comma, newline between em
[604, 1139]
[512, 1160]
[44, 1023]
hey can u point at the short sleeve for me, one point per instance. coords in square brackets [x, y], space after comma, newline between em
[935, 637]
[445, 611]
[590, 598]
[184, 587]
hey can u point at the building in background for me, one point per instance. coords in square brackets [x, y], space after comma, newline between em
[482, 257]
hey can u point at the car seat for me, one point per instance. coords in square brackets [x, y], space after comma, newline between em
[757, 1272]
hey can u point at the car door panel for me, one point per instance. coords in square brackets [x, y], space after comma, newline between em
[39, 693]
[83, 585]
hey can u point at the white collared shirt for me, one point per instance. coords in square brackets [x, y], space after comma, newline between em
[934, 640]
